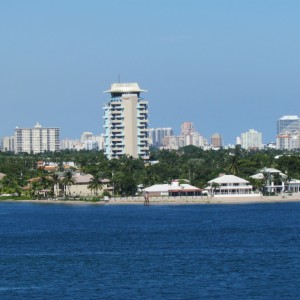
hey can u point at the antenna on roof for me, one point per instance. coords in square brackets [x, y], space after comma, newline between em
[119, 78]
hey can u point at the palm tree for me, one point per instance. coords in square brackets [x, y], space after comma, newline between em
[214, 187]
[233, 164]
[45, 183]
[55, 181]
[35, 188]
[95, 184]
[67, 181]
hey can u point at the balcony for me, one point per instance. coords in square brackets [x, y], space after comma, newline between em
[143, 111]
[116, 130]
[144, 148]
[116, 139]
[116, 112]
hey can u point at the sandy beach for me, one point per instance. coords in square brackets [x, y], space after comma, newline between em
[173, 200]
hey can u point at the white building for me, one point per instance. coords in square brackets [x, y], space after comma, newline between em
[174, 189]
[251, 139]
[157, 135]
[126, 122]
[288, 133]
[273, 180]
[37, 139]
[230, 186]
[288, 140]
[88, 141]
[8, 144]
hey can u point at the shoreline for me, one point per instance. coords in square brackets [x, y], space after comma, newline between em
[171, 200]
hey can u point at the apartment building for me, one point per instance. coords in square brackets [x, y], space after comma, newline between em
[126, 122]
[36, 139]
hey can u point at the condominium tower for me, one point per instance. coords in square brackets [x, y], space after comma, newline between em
[288, 124]
[37, 139]
[126, 122]
[216, 140]
[251, 139]
[288, 133]
[157, 135]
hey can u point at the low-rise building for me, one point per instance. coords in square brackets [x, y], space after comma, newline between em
[230, 186]
[81, 186]
[174, 189]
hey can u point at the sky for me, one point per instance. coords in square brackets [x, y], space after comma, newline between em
[227, 66]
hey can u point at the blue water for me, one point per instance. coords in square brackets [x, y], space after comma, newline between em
[52, 251]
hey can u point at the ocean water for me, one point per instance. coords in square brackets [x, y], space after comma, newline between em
[53, 251]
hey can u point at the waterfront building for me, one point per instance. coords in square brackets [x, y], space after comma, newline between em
[126, 122]
[175, 189]
[273, 180]
[251, 139]
[37, 139]
[81, 186]
[216, 140]
[230, 186]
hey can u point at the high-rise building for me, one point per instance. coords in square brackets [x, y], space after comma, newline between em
[288, 133]
[126, 122]
[187, 128]
[8, 144]
[251, 139]
[288, 124]
[157, 135]
[37, 139]
[216, 140]
[87, 141]
[86, 136]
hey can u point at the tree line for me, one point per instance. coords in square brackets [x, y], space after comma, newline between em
[127, 174]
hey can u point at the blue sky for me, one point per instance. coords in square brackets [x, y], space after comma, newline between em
[227, 66]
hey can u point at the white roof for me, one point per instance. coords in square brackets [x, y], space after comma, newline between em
[294, 181]
[289, 118]
[169, 187]
[228, 179]
[260, 175]
[158, 188]
[125, 88]
[183, 186]
[269, 170]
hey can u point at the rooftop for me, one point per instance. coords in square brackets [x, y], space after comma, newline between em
[289, 118]
[228, 179]
[125, 88]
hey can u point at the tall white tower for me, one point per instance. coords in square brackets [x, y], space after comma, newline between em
[126, 122]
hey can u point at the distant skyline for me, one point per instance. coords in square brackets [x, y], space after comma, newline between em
[227, 66]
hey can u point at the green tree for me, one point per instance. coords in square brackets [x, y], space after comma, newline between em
[95, 184]
[67, 181]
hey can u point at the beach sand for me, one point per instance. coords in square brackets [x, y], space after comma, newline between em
[174, 200]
